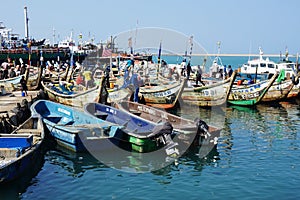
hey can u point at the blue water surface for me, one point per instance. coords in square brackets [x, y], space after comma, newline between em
[257, 157]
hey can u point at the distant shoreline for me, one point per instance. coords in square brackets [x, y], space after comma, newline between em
[238, 55]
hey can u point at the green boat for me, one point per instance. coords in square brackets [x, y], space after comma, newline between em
[249, 95]
[140, 135]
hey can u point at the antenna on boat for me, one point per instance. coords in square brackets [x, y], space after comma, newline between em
[250, 48]
[219, 52]
[286, 54]
[53, 34]
[136, 29]
[261, 53]
[219, 47]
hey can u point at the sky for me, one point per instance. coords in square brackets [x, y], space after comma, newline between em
[242, 26]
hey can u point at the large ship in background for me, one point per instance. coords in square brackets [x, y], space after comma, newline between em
[30, 51]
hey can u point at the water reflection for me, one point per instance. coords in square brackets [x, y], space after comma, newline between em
[259, 128]
[249, 135]
[279, 122]
[76, 164]
[190, 160]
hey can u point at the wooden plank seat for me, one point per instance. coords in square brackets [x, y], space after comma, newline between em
[31, 131]
[136, 112]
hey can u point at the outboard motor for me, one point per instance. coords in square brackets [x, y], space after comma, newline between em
[162, 134]
[202, 128]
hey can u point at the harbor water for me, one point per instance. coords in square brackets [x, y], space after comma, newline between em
[257, 156]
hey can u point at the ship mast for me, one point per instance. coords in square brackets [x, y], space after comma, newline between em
[26, 24]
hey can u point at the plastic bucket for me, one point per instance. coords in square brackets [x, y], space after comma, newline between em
[112, 85]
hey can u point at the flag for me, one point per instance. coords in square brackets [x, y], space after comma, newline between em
[281, 76]
[106, 52]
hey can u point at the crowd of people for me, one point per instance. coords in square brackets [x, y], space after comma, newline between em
[9, 70]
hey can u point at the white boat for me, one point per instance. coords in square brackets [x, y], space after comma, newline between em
[267, 66]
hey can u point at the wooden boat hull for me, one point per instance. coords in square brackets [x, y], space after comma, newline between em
[117, 95]
[76, 130]
[206, 96]
[249, 95]
[294, 92]
[186, 132]
[15, 81]
[143, 136]
[76, 99]
[22, 151]
[163, 96]
[278, 91]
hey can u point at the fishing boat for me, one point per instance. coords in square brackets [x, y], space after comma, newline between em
[294, 91]
[163, 94]
[66, 94]
[278, 91]
[32, 76]
[252, 94]
[143, 135]
[14, 82]
[259, 66]
[215, 94]
[77, 95]
[186, 132]
[75, 130]
[20, 150]
[54, 75]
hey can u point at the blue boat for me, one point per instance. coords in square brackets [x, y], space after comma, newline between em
[21, 150]
[142, 135]
[76, 130]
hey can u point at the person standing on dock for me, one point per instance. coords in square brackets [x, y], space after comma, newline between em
[199, 75]
[230, 71]
[88, 78]
[5, 72]
[137, 82]
[127, 71]
[79, 79]
[188, 70]
[23, 86]
[106, 73]
[12, 72]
